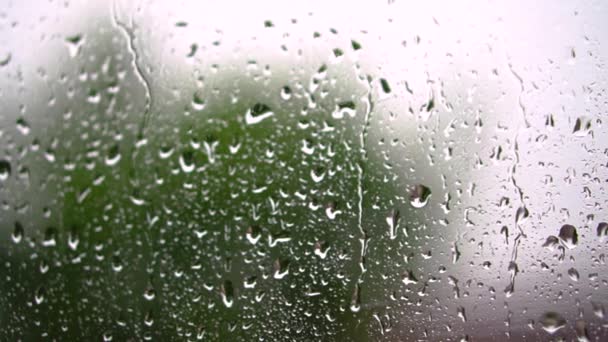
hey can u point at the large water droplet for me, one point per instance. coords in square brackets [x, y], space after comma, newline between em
[552, 322]
[5, 170]
[568, 236]
[419, 196]
[602, 229]
[257, 114]
[227, 293]
[17, 233]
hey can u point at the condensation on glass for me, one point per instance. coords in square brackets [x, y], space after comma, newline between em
[303, 171]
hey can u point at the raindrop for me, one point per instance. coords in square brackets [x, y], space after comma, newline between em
[551, 242]
[602, 229]
[393, 223]
[286, 93]
[581, 127]
[113, 156]
[552, 322]
[74, 43]
[227, 293]
[257, 114]
[568, 236]
[5, 170]
[197, 102]
[17, 233]
[149, 292]
[23, 126]
[40, 294]
[573, 274]
[355, 303]
[581, 330]
[419, 196]
[281, 268]
[186, 161]
[321, 249]
[49, 237]
[521, 215]
[385, 86]
[253, 234]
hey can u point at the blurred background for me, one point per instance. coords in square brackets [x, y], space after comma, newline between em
[303, 171]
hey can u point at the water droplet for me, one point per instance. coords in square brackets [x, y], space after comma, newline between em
[281, 268]
[551, 242]
[197, 102]
[186, 161]
[355, 303]
[227, 293]
[552, 322]
[321, 249]
[253, 234]
[568, 236]
[582, 127]
[74, 43]
[23, 126]
[149, 318]
[345, 108]
[40, 294]
[419, 196]
[116, 264]
[581, 330]
[149, 292]
[461, 314]
[49, 237]
[393, 223]
[5, 170]
[385, 86]
[94, 96]
[409, 278]
[602, 229]
[286, 93]
[113, 156]
[521, 215]
[573, 274]
[257, 114]
[17, 233]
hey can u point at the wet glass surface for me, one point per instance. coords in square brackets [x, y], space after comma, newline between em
[303, 171]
